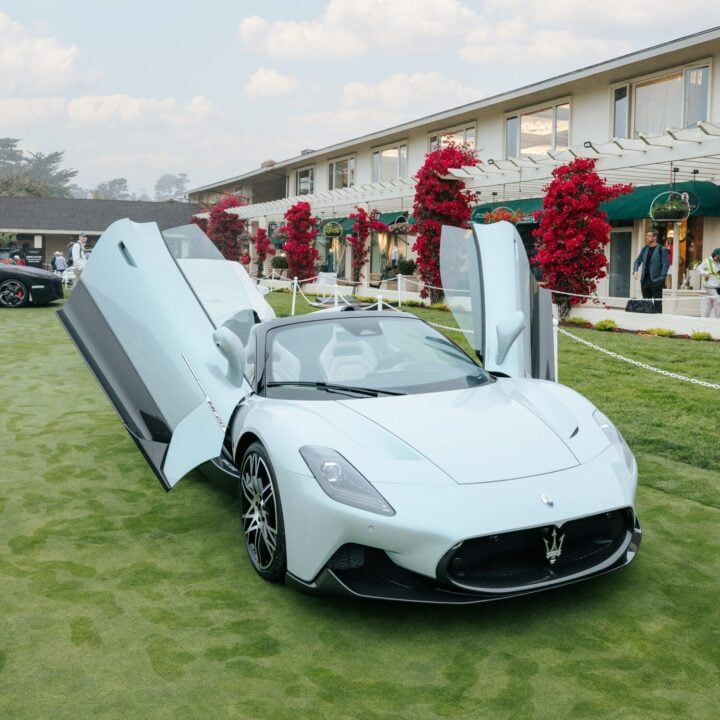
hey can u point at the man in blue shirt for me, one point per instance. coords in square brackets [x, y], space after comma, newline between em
[655, 261]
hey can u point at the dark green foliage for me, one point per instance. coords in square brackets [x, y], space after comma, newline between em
[34, 174]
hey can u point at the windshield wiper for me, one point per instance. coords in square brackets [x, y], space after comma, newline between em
[331, 387]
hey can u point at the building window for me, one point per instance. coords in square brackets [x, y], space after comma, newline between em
[305, 181]
[676, 100]
[390, 163]
[620, 112]
[341, 173]
[537, 131]
[458, 136]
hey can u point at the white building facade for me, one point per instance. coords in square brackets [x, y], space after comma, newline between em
[651, 118]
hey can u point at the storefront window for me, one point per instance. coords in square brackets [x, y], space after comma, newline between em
[390, 163]
[304, 181]
[341, 173]
[537, 131]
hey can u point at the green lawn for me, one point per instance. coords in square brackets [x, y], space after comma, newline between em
[120, 601]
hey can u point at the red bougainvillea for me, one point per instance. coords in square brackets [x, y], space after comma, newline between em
[224, 228]
[299, 249]
[358, 241]
[573, 230]
[439, 202]
[263, 248]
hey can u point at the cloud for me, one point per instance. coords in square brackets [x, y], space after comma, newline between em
[32, 64]
[349, 28]
[17, 111]
[270, 83]
[121, 109]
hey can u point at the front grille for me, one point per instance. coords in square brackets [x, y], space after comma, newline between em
[520, 558]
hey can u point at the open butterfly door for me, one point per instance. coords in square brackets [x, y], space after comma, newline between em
[505, 316]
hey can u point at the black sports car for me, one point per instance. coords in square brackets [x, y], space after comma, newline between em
[22, 285]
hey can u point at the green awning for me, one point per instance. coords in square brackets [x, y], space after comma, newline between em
[633, 206]
[636, 205]
[390, 218]
[527, 206]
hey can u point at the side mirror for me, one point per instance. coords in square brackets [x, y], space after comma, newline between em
[232, 348]
[508, 330]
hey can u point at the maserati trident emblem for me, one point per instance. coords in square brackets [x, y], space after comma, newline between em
[553, 549]
[547, 500]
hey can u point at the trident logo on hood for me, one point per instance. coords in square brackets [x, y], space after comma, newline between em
[553, 549]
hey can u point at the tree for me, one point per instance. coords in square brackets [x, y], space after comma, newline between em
[225, 228]
[171, 186]
[573, 231]
[300, 229]
[358, 240]
[116, 189]
[439, 201]
[263, 248]
[33, 174]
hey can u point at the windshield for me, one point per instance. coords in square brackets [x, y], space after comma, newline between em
[391, 355]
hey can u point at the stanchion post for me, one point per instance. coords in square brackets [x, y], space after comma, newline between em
[379, 303]
[337, 293]
[294, 295]
[400, 288]
[555, 347]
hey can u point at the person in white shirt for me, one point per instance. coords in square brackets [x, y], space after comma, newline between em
[709, 268]
[78, 256]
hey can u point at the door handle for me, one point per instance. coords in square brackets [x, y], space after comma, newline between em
[126, 254]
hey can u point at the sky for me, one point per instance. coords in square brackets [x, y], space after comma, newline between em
[139, 89]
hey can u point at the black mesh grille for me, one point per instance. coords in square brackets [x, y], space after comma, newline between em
[520, 558]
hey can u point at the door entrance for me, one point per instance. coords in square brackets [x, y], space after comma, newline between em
[620, 262]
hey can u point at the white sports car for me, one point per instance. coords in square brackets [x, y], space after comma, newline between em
[374, 458]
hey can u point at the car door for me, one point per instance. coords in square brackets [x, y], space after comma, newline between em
[504, 314]
[143, 317]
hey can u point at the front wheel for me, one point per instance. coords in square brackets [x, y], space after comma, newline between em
[13, 293]
[262, 519]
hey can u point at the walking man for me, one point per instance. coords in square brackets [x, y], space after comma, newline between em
[655, 261]
[78, 256]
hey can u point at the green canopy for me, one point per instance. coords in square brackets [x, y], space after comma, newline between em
[633, 206]
[390, 218]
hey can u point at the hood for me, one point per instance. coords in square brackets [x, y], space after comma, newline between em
[475, 435]
[32, 272]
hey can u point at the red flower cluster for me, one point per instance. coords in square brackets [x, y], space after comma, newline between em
[224, 228]
[503, 213]
[573, 230]
[361, 229]
[439, 202]
[245, 259]
[300, 230]
[263, 248]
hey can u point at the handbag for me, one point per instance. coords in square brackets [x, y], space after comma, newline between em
[640, 306]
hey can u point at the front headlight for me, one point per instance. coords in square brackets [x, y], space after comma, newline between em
[342, 482]
[615, 437]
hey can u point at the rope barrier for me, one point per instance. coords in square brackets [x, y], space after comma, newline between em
[637, 363]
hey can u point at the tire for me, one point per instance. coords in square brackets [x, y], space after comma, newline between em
[261, 514]
[13, 293]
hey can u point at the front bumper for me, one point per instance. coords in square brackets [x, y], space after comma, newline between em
[365, 572]
[44, 292]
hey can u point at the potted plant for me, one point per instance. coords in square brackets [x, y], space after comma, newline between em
[669, 207]
[503, 213]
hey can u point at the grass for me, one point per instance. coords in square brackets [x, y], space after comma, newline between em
[120, 601]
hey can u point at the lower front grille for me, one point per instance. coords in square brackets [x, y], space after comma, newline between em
[538, 555]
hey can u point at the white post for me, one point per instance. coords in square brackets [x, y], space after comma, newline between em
[675, 265]
[337, 294]
[379, 303]
[295, 287]
[555, 347]
[400, 288]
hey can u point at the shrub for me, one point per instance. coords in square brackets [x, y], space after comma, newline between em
[406, 267]
[300, 228]
[577, 320]
[701, 336]
[279, 262]
[606, 325]
[660, 332]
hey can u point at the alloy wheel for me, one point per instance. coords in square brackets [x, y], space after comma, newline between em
[12, 293]
[259, 511]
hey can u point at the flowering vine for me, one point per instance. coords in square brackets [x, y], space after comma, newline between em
[439, 202]
[263, 248]
[361, 229]
[300, 229]
[573, 230]
[503, 213]
[224, 229]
